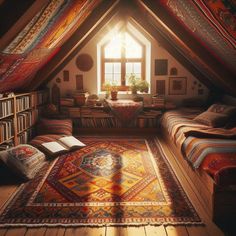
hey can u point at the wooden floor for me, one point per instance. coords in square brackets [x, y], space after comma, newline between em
[209, 229]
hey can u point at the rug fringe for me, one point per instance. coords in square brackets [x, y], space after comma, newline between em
[99, 225]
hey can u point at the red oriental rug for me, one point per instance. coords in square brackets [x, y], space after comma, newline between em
[111, 181]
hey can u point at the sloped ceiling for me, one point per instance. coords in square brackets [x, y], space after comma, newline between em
[200, 34]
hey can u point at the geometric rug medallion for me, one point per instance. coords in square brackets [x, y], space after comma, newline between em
[110, 181]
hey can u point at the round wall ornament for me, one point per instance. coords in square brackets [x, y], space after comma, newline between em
[84, 62]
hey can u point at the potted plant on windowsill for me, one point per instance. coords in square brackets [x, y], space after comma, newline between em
[114, 92]
[137, 84]
[111, 88]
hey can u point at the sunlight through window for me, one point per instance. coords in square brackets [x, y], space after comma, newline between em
[122, 56]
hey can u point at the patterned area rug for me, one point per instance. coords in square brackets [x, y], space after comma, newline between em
[111, 181]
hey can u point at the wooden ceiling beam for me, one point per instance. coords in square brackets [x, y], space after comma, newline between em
[219, 74]
[70, 48]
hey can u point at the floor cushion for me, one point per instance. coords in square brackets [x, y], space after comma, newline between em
[24, 160]
[54, 126]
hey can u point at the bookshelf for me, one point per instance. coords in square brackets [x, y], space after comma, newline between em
[18, 115]
[100, 118]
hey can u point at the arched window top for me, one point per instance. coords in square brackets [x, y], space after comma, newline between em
[122, 52]
[123, 41]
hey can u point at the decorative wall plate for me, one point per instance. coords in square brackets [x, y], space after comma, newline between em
[84, 62]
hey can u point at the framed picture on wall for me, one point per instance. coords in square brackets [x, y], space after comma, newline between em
[79, 82]
[160, 87]
[161, 67]
[66, 75]
[177, 85]
[173, 71]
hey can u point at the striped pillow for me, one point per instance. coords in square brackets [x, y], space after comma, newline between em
[51, 126]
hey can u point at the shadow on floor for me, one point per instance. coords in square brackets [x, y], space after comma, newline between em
[7, 177]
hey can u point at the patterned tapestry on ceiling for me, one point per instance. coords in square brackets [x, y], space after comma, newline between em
[212, 22]
[40, 40]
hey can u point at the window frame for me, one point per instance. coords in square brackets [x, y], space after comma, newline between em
[123, 60]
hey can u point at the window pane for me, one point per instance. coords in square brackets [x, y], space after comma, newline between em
[108, 67]
[137, 68]
[113, 48]
[117, 79]
[133, 68]
[108, 78]
[117, 67]
[132, 48]
[129, 68]
[113, 73]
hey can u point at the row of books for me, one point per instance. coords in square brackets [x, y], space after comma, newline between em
[109, 122]
[141, 122]
[158, 100]
[6, 108]
[22, 103]
[6, 130]
[25, 136]
[77, 112]
[26, 120]
[150, 114]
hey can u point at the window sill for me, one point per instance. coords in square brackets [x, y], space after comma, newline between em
[126, 93]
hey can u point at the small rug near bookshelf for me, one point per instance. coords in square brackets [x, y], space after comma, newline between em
[111, 181]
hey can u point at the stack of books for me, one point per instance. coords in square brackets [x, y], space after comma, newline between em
[74, 112]
[158, 101]
[80, 97]
[67, 102]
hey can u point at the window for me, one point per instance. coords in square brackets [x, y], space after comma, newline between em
[122, 56]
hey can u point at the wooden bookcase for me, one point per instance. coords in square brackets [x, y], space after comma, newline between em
[99, 119]
[18, 115]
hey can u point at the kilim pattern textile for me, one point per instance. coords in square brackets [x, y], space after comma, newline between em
[111, 181]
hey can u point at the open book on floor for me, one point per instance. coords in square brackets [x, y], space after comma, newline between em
[63, 145]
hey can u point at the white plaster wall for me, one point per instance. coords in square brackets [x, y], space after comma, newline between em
[157, 52]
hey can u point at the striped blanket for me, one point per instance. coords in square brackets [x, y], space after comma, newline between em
[211, 149]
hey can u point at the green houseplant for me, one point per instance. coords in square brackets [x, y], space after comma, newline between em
[137, 84]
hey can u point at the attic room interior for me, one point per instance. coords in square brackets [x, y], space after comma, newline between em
[118, 117]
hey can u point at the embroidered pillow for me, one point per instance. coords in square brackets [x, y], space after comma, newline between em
[212, 119]
[23, 159]
[52, 126]
[223, 109]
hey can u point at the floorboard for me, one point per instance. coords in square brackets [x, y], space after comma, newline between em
[36, 231]
[155, 230]
[176, 231]
[3, 232]
[86, 231]
[19, 231]
[210, 229]
[197, 230]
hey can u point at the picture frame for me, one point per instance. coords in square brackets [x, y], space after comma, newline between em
[173, 71]
[160, 87]
[66, 75]
[161, 66]
[177, 85]
[79, 82]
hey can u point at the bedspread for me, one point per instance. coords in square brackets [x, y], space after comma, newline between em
[211, 149]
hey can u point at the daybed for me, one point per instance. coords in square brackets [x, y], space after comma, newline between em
[206, 154]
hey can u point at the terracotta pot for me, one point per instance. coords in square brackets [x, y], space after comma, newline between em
[114, 95]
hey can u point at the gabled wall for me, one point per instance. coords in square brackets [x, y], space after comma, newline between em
[67, 88]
